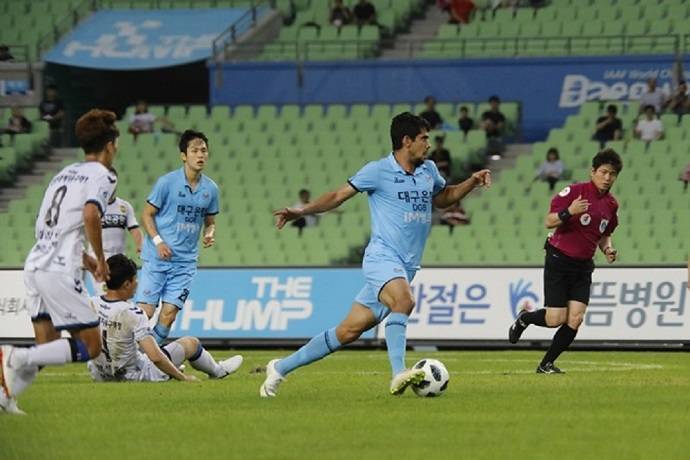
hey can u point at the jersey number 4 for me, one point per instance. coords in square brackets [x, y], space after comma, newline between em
[53, 213]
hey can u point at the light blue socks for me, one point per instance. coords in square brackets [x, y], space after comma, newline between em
[396, 341]
[160, 333]
[318, 347]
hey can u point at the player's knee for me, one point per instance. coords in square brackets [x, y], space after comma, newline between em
[346, 334]
[404, 305]
[555, 318]
[575, 320]
[190, 344]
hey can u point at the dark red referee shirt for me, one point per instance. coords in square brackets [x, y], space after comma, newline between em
[580, 235]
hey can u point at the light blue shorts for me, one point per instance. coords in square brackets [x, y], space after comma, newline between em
[378, 272]
[168, 282]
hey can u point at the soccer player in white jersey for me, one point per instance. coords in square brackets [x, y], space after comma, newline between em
[118, 219]
[401, 188]
[125, 330]
[71, 208]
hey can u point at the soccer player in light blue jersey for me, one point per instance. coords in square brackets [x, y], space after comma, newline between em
[401, 187]
[179, 204]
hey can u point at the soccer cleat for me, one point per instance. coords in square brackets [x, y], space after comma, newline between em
[517, 328]
[14, 380]
[549, 368]
[406, 378]
[9, 405]
[269, 388]
[230, 365]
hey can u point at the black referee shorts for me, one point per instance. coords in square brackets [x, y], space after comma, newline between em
[565, 278]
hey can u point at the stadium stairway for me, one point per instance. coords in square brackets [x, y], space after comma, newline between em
[421, 30]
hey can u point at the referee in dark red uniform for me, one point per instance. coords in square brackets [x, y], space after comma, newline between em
[584, 216]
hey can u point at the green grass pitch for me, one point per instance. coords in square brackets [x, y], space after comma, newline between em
[610, 405]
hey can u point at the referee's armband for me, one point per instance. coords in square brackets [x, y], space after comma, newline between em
[564, 215]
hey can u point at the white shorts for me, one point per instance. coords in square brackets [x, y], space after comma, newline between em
[143, 371]
[60, 298]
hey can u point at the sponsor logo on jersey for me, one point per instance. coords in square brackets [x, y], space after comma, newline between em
[585, 219]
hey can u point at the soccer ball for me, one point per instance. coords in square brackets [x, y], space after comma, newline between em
[436, 379]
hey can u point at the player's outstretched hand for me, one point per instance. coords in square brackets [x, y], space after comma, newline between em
[285, 215]
[611, 255]
[164, 251]
[578, 206]
[482, 178]
[102, 272]
[191, 378]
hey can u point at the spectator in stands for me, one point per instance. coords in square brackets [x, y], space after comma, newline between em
[5, 55]
[430, 114]
[18, 123]
[649, 128]
[465, 123]
[654, 96]
[609, 127]
[52, 112]
[142, 121]
[453, 216]
[679, 102]
[493, 121]
[551, 170]
[460, 11]
[365, 13]
[340, 14]
[685, 177]
[441, 156]
[306, 221]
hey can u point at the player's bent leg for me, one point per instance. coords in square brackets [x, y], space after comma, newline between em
[148, 308]
[201, 360]
[358, 320]
[397, 295]
[44, 331]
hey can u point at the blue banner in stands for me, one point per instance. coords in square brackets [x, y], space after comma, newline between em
[549, 89]
[143, 39]
[267, 303]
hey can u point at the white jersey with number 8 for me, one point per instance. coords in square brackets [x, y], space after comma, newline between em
[59, 231]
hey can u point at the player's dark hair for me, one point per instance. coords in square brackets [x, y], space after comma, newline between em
[406, 124]
[494, 98]
[611, 108]
[95, 129]
[122, 269]
[650, 107]
[188, 136]
[553, 150]
[429, 99]
[464, 109]
[607, 157]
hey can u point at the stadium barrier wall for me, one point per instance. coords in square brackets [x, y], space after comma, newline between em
[550, 89]
[285, 305]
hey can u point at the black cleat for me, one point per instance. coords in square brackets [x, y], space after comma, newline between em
[517, 328]
[549, 368]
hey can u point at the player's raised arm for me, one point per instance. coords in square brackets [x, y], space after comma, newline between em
[324, 203]
[155, 354]
[563, 207]
[147, 219]
[453, 193]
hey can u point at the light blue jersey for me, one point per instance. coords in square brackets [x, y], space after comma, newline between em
[400, 206]
[180, 216]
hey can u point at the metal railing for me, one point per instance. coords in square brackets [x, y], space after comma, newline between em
[304, 50]
[228, 38]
